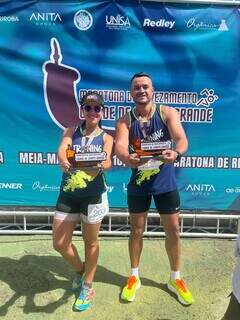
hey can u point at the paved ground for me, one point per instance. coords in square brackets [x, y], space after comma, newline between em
[35, 281]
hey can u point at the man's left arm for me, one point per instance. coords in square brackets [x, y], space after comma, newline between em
[177, 134]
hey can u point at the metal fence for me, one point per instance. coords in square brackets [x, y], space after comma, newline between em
[116, 223]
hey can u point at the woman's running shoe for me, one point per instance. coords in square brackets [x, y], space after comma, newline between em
[83, 302]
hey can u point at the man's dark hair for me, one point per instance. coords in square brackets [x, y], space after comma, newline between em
[139, 75]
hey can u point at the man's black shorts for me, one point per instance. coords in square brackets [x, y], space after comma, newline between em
[166, 203]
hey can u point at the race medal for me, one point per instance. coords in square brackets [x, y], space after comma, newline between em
[146, 148]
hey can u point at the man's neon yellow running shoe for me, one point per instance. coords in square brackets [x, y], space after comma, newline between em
[129, 291]
[179, 288]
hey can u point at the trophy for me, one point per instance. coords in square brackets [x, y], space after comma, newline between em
[150, 149]
[85, 160]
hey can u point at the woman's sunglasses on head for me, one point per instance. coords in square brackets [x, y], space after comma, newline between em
[96, 109]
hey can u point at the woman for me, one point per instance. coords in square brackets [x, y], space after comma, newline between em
[83, 197]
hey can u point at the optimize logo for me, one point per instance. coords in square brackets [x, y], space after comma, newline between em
[83, 20]
[45, 18]
[44, 187]
[162, 23]
[117, 22]
[201, 25]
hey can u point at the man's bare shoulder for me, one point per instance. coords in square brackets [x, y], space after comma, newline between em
[167, 109]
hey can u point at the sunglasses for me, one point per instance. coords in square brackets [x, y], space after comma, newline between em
[96, 109]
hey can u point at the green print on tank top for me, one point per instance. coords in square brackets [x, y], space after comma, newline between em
[145, 175]
[77, 180]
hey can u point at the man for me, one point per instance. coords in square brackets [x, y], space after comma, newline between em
[233, 309]
[152, 178]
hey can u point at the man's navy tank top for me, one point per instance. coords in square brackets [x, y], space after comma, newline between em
[153, 181]
[93, 187]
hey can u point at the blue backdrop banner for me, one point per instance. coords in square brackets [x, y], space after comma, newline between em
[53, 52]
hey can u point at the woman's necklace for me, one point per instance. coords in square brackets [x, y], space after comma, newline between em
[87, 139]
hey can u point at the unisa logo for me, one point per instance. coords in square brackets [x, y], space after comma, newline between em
[83, 20]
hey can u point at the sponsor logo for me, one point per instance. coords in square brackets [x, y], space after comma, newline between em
[10, 185]
[37, 186]
[209, 98]
[193, 107]
[204, 25]
[110, 188]
[223, 26]
[9, 19]
[1, 157]
[171, 97]
[45, 18]
[232, 190]
[190, 114]
[118, 22]
[38, 158]
[203, 189]
[83, 20]
[162, 23]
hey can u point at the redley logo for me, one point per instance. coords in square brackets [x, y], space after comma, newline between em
[161, 23]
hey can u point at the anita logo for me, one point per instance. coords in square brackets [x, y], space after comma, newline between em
[45, 16]
[200, 189]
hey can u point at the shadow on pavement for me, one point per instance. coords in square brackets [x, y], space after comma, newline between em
[233, 310]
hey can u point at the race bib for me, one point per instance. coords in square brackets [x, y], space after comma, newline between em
[96, 212]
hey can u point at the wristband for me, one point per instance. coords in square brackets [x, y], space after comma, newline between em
[178, 156]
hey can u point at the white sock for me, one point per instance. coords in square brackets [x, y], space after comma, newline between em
[175, 275]
[135, 272]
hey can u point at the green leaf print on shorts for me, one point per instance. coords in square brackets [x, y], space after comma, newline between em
[77, 180]
[145, 175]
